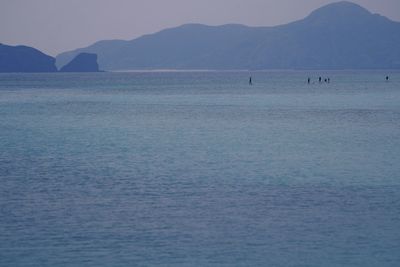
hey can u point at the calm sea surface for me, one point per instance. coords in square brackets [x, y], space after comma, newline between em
[200, 169]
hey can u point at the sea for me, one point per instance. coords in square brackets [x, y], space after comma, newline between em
[199, 168]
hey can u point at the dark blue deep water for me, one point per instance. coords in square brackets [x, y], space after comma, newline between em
[200, 169]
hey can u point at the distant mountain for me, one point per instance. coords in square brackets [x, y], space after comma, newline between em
[83, 62]
[341, 35]
[25, 59]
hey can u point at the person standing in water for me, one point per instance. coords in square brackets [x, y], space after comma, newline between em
[320, 79]
[250, 81]
[387, 78]
[308, 80]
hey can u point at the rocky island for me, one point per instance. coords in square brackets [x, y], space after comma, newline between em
[83, 62]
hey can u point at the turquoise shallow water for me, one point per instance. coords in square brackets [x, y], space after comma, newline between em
[200, 169]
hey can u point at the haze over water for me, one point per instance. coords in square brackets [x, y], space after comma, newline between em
[200, 169]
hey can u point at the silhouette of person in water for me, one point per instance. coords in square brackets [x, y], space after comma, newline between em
[250, 81]
[308, 80]
[387, 78]
[326, 80]
[329, 80]
[320, 79]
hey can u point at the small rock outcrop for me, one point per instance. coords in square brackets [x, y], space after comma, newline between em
[25, 59]
[84, 62]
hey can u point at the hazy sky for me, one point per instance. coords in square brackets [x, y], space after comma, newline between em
[55, 26]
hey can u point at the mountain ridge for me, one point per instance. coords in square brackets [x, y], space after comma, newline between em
[340, 35]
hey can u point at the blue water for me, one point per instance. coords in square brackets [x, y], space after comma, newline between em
[200, 169]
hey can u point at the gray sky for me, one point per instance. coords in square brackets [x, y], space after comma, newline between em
[55, 26]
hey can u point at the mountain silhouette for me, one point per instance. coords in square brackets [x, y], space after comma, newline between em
[25, 59]
[341, 35]
[83, 62]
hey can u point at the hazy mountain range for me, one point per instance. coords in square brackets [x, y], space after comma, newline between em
[341, 35]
